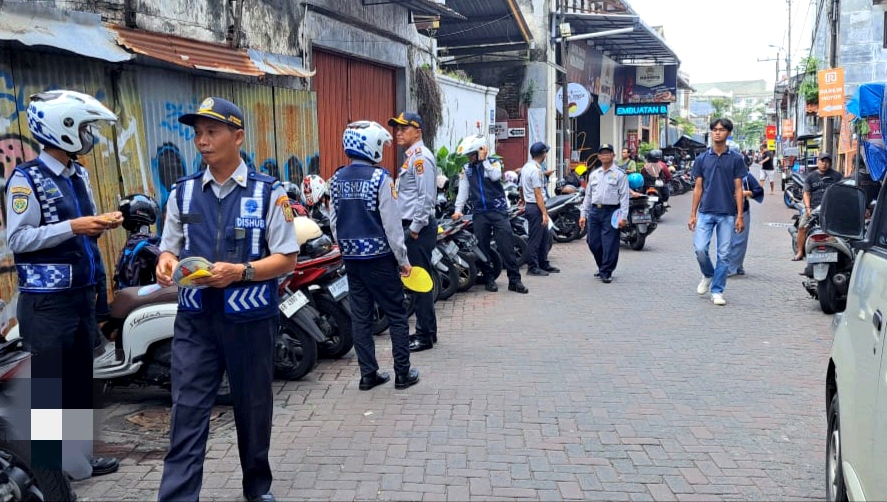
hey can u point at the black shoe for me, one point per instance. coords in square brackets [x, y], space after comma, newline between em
[518, 287]
[551, 270]
[606, 279]
[268, 497]
[491, 287]
[420, 343]
[537, 271]
[377, 378]
[404, 381]
[104, 465]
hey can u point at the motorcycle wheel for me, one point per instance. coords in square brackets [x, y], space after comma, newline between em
[467, 276]
[787, 199]
[828, 295]
[495, 265]
[33, 483]
[568, 227]
[295, 352]
[380, 321]
[638, 242]
[336, 325]
[449, 281]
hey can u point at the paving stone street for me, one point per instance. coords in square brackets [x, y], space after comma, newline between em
[635, 390]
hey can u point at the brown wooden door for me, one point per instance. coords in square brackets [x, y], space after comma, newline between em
[348, 90]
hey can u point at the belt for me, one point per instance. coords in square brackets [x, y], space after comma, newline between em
[606, 206]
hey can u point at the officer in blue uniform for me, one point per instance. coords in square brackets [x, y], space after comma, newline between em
[365, 221]
[416, 194]
[241, 221]
[607, 192]
[52, 229]
[481, 181]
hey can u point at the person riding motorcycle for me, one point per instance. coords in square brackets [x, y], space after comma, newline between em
[656, 175]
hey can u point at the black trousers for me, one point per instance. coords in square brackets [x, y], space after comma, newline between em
[419, 251]
[603, 239]
[370, 282]
[203, 347]
[537, 245]
[59, 330]
[495, 224]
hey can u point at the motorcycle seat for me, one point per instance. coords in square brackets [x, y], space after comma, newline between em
[558, 200]
[128, 299]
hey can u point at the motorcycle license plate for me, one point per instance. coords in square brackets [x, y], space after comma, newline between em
[652, 198]
[292, 304]
[822, 257]
[641, 218]
[339, 288]
[451, 248]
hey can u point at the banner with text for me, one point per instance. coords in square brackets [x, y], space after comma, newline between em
[646, 84]
[831, 92]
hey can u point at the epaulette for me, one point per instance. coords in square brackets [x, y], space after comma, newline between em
[197, 175]
[267, 178]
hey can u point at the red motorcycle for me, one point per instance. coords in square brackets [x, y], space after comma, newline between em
[318, 289]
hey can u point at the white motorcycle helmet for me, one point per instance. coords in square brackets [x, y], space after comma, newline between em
[306, 229]
[441, 180]
[366, 140]
[55, 119]
[314, 188]
[472, 144]
[510, 177]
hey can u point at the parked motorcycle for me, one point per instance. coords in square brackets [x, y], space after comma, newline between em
[563, 212]
[463, 261]
[794, 191]
[640, 223]
[20, 478]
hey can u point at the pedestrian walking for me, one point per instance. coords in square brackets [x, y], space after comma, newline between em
[534, 197]
[767, 170]
[716, 198]
[815, 185]
[606, 193]
[481, 181]
[52, 230]
[240, 220]
[367, 224]
[416, 195]
[751, 189]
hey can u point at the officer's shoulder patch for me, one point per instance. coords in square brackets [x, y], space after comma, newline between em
[496, 164]
[20, 190]
[419, 165]
[283, 199]
[286, 209]
[19, 203]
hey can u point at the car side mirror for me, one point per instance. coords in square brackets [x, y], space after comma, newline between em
[842, 212]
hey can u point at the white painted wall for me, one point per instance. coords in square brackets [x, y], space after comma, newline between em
[464, 104]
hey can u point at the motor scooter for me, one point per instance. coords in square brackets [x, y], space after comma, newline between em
[829, 265]
[640, 223]
[563, 213]
[20, 478]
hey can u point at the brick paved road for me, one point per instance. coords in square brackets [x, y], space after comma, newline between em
[636, 390]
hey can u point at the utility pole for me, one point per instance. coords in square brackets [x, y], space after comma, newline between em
[792, 110]
[829, 128]
[565, 101]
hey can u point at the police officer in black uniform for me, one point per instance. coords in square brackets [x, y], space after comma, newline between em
[366, 222]
[52, 230]
[241, 221]
[481, 180]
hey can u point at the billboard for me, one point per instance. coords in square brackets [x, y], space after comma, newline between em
[646, 84]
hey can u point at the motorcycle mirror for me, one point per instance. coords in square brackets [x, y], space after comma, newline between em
[842, 212]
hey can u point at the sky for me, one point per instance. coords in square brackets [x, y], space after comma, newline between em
[703, 32]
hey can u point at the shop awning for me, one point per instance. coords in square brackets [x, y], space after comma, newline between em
[425, 7]
[489, 28]
[200, 55]
[78, 32]
[641, 46]
[688, 143]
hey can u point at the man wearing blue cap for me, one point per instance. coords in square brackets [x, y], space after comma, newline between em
[606, 193]
[240, 220]
[532, 191]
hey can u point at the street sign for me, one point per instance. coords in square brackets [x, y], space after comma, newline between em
[831, 92]
[642, 109]
[517, 132]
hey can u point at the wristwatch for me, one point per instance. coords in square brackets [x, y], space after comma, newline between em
[248, 272]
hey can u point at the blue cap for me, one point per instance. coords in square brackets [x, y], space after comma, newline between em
[605, 146]
[538, 149]
[408, 119]
[217, 109]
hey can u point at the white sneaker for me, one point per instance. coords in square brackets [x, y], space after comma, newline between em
[718, 299]
[704, 285]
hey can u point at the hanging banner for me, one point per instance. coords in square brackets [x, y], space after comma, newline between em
[605, 94]
[771, 145]
[771, 132]
[788, 128]
[646, 84]
[831, 92]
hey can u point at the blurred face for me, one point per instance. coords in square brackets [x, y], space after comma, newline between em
[625, 153]
[606, 157]
[823, 165]
[406, 136]
[719, 134]
[218, 143]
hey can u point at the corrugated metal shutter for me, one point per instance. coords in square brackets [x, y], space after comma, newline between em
[348, 90]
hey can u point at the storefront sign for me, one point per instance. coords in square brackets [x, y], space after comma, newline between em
[788, 128]
[831, 92]
[771, 145]
[642, 109]
[646, 84]
[578, 99]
